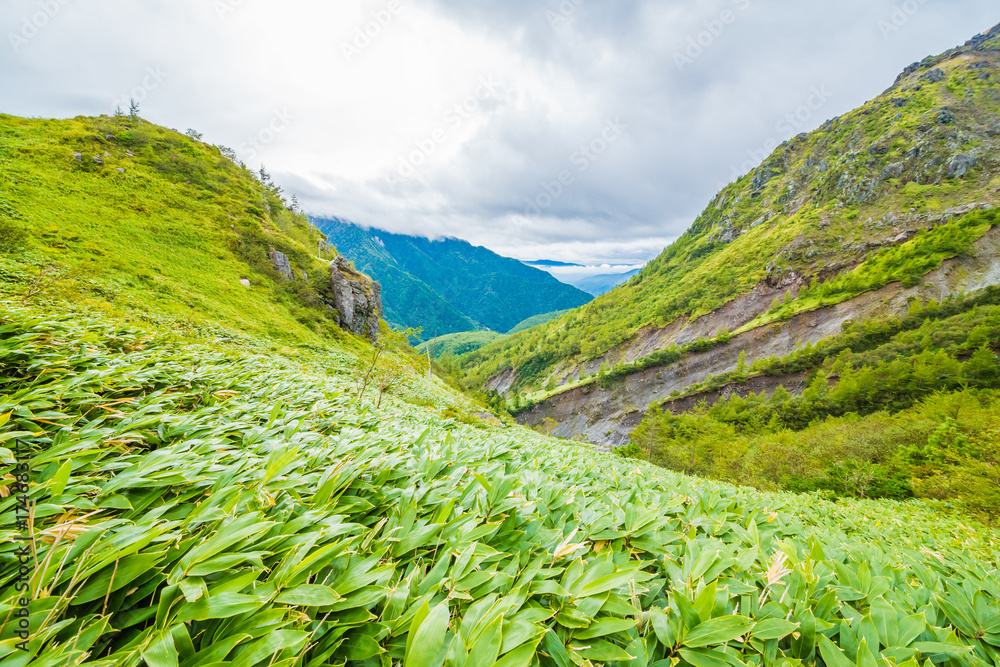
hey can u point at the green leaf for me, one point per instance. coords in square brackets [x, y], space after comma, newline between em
[522, 656]
[161, 653]
[360, 647]
[602, 650]
[222, 605]
[426, 639]
[557, 650]
[960, 615]
[910, 628]
[704, 603]
[940, 648]
[832, 655]
[773, 628]
[486, 649]
[309, 595]
[717, 631]
[865, 657]
[518, 632]
[605, 626]
[661, 627]
[702, 657]
[884, 615]
[612, 582]
[115, 577]
[60, 478]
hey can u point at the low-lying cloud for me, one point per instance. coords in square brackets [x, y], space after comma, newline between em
[574, 130]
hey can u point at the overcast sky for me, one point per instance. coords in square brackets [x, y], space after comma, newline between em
[583, 130]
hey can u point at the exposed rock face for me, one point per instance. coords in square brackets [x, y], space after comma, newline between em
[357, 299]
[607, 416]
[281, 263]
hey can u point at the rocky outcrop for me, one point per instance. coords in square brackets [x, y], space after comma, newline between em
[281, 264]
[608, 416]
[357, 299]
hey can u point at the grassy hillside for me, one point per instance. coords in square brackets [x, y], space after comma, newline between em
[496, 292]
[894, 408]
[163, 231]
[199, 505]
[535, 320]
[847, 208]
[458, 343]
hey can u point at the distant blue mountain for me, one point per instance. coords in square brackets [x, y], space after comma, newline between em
[602, 284]
[448, 285]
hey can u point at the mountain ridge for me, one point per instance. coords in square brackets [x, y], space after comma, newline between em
[467, 287]
[801, 224]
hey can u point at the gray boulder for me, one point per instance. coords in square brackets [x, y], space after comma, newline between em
[934, 76]
[281, 263]
[960, 164]
[894, 170]
[356, 298]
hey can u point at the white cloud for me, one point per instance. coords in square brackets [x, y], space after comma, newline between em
[358, 116]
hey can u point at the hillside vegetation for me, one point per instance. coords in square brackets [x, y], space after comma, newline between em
[196, 473]
[456, 344]
[199, 507]
[829, 215]
[170, 237]
[894, 408]
[449, 286]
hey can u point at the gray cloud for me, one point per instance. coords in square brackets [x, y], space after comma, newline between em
[705, 88]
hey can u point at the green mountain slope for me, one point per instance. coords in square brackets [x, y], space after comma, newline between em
[457, 344]
[831, 214]
[535, 320]
[496, 292]
[900, 407]
[146, 223]
[409, 301]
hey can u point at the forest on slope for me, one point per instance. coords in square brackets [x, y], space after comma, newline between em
[447, 286]
[829, 215]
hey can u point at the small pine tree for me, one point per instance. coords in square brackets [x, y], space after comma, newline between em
[133, 109]
[118, 111]
[741, 363]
